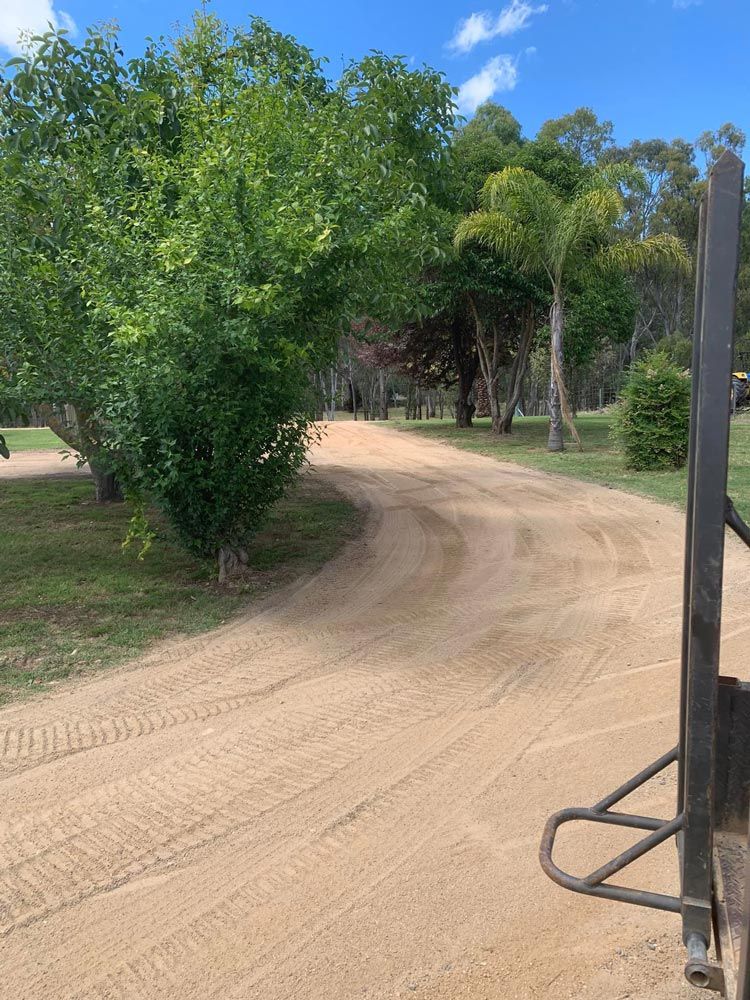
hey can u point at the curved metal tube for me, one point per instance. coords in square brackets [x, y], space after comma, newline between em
[661, 832]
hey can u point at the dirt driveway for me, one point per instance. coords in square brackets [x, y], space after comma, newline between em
[342, 795]
[31, 464]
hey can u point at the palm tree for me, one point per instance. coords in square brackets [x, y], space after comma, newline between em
[524, 220]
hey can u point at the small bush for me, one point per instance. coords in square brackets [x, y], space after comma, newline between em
[652, 420]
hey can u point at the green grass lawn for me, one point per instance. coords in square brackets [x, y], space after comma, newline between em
[72, 601]
[599, 462]
[31, 439]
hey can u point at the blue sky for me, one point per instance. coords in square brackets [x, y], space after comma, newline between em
[654, 67]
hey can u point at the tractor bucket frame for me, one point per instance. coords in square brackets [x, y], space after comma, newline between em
[712, 814]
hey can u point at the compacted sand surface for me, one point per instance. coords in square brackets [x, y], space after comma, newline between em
[341, 795]
[36, 463]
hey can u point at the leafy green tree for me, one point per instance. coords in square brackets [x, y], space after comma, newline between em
[482, 307]
[600, 310]
[663, 200]
[496, 121]
[529, 224]
[70, 119]
[484, 145]
[558, 166]
[197, 230]
[713, 143]
[581, 133]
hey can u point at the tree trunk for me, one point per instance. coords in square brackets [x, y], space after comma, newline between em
[332, 398]
[555, 440]
[482, 397]
[106, 485]
[488, 363]
[467, 362]
[634, 341]
[559, 406]
[320, 396]
[232, 560]
[383, 394]
[495, 411]
[464, 409]
[80, 437]
[518, 371]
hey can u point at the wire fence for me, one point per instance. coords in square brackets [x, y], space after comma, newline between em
[587, 397]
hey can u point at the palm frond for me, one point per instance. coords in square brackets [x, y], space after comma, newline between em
[616, 175]
[635, 255]
[522, 195]
[503, 235]
[511, 184]
[586, 222]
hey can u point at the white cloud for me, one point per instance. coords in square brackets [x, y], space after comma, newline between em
[18, 16]
[483, 26]
[684, 4]
[500, 73]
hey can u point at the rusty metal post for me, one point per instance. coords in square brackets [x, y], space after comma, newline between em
[705, 544]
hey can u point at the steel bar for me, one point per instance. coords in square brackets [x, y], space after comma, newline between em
[699, 971]
[735, 522]
[705, 543]
[627, 857]
[630, 820]
[636, 781]
[589, 815]
[695, 371]
[639, 897]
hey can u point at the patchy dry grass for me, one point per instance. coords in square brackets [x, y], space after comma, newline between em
[72, 601]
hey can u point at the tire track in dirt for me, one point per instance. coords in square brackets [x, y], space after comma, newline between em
[252, 813]
[448, 755]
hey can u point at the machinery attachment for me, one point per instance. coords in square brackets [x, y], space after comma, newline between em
[711, 821]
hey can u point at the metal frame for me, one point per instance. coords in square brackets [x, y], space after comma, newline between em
[708, 511]
[593, 884]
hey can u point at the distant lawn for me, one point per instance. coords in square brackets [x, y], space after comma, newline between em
[599, 462]
[72, 601]
[31, 439]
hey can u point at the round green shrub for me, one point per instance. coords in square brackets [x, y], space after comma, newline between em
[652, 419]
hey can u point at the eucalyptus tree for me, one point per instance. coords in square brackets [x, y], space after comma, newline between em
[549, 236]
[581, 133]
[713, 143]
[664, 200]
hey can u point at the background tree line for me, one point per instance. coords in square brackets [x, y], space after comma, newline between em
[648, 229]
